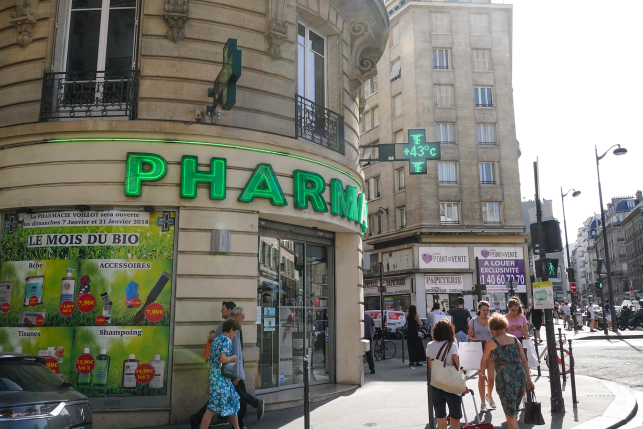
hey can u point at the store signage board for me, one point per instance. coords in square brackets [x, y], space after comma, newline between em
[444, 257]
[394, 286]
[543, 295]
[443, 283]
[308, 187]
[499, 264]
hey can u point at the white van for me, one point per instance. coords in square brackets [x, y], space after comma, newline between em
[394, 319]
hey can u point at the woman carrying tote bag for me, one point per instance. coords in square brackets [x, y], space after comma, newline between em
[444, 345]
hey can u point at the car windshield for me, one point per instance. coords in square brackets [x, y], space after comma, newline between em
[28, 376]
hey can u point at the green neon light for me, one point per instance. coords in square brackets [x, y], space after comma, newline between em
[363, 212]
[343, 203]
[263, 184]
[231, 146]
[309, 187]
[135, 175]
[190, 176]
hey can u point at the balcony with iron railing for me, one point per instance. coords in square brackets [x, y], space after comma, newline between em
[487, 143]
[317, 124]
[80, 95]
[487, 182]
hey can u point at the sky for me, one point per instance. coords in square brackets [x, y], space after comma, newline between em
[577, 79]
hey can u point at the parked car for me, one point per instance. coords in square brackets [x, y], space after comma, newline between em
[33, 397]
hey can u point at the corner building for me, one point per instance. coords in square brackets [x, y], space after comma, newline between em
[129, 214]
[447, 69]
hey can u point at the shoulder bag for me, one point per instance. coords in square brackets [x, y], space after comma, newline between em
[229, 370]
[533, 413]
[447, 378]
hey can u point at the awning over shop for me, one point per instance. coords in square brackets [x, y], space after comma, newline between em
[274, 287]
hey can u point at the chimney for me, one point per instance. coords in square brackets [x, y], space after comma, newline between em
[639, 196]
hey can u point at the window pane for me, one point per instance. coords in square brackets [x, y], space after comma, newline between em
[489, 96]
[316, 43]
[120, 40]
[86, 4]
[488, 172]
[435, 58]
[451, 134]
[480, 133]
[301, 70]
[376, 117]
[481, 172]
[316, 84]
[477, 92]
[453, 176]
[122, 3]
[440, 175]
[301, 34]
[84, 32]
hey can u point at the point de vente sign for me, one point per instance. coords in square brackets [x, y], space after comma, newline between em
[263, 183]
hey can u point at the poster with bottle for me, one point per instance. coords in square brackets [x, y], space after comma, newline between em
[97, 287]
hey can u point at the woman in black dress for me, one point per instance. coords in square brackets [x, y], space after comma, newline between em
[416, 348]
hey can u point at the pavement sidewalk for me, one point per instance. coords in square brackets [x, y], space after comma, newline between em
[396, 397]
[584, 334]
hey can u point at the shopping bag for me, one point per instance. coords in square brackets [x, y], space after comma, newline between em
[532, 357]
[533, 413]
[447, 378]
[464, 413]
[470, 355]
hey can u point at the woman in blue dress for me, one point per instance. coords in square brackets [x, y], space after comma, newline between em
[224, 399]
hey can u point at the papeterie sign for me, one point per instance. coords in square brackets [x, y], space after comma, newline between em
[308, 187]
[444, 284]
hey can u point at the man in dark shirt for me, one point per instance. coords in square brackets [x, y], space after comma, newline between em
[461, 319]
[369, 328]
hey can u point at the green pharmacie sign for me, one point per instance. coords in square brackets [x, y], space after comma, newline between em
[308, 187]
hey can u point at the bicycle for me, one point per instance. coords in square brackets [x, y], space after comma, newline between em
[382, 348]
[568, 358]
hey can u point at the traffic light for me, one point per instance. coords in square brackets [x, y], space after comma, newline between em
[547, 268]
[548, 235]
[570, 275]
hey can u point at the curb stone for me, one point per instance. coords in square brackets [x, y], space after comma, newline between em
[622, 409]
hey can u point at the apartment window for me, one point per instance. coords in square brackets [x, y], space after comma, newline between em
[370, 86]
[483, 96]
[440, 23]
[443, 95]
[367, 190]
[486, 173]
[396, 35]
[397, 105]
[396, 70]
[375, 186]
[449, 213]
[311, 66]
[447, 173]
[479, 24]
[399, 136]
[491, 213]
[362, 124]
[368, 121]
[371, 226]
[486, 134]
[481, 60]
[378, 218]
[376, 117]
[441, 59]
[399, 179]
[444, 133]
[400, 217]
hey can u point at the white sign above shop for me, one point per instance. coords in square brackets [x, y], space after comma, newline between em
[394, 286]
[444, 283]
[444, 257]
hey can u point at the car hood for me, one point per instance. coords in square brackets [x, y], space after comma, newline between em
[14, 398]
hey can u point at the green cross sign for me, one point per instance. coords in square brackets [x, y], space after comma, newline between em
[225, 85]
[417, 151]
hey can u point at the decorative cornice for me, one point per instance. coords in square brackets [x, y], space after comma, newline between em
[176, 15]
[364, 52]
[277, 29]
[23, 17]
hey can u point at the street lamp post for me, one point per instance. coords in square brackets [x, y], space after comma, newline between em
[569, 261]
[618, 151]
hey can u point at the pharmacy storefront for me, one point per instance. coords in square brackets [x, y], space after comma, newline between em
[116, 256]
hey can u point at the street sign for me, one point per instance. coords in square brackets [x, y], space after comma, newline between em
[417, 151]
[572, 287]
[543, 295]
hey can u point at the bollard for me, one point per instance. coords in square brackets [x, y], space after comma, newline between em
[430, 397]
[537, 354]
[562, 354]
[403, 342]
[306, 395]
[571, 372]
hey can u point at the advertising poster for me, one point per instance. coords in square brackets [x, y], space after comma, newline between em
[91, 290]
[444, 257]
[499, 264]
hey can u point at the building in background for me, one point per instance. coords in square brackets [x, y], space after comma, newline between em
[585, 259]
[632, 226]
[114, 179]
[560, 282]
[447, 69]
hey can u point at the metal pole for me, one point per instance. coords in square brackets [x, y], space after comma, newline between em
[607, 257]
[429, 395]
[478, 285]
[382, 307]
[562, 354]
[571, 372]
[306, 395]
[407, 331]
[537, 353]
[569, 262]
[557, 401]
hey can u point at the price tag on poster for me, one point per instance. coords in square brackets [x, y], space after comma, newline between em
[144, 373]
[86, 302]
[470, 355]
[67, 308]
[52, 364]
[5, 307]
[154, 312]
[85, 364]
[100, 320]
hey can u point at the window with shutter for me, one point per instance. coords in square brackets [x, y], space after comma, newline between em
[396, 35]
[444, 95]
[376, 117]
[397, 103]
[367, 119]
[481, 60]
[399, 136]
[440, 23]
[479, 24]
[486, 134]
[396, 71]
[374, 79]
[444, 133]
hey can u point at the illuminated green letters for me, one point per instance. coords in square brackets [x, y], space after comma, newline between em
[190, 176]
[263, 184]
[309, 187]
[135, 172]
[363, 212]
[343, 203]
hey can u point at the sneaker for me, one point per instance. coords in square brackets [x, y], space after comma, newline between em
[418, 364]
[483, 407]
[372, 371]
[260, 409]
[490, 401]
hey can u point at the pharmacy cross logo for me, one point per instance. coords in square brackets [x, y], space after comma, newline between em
[11, 224]
[417, 151]
[165, 222]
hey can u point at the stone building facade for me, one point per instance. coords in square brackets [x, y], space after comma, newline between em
[103, 111]
[447, 69]
[633, 234]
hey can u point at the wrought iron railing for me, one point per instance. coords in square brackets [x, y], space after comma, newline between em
[491, 222]
[484, 105]
[452, 143]
[487, 143]
[440, 67]
[450, 222]
[487, 182]
[448, 182]
[89, 94]
[318, 125]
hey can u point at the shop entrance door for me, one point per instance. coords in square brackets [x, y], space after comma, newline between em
[294, 298]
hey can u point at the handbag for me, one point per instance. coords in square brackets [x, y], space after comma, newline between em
[447, 378]
[533, 414]
[229, 370]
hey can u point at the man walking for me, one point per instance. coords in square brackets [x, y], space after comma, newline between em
[567, 317]
[435, 312]
[461, 319]
[537, 319]
[592, 318]
[369, 330]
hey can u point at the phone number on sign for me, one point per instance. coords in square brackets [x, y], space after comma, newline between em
[501, 279]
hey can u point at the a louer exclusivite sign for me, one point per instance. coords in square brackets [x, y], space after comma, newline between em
[308, 187]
